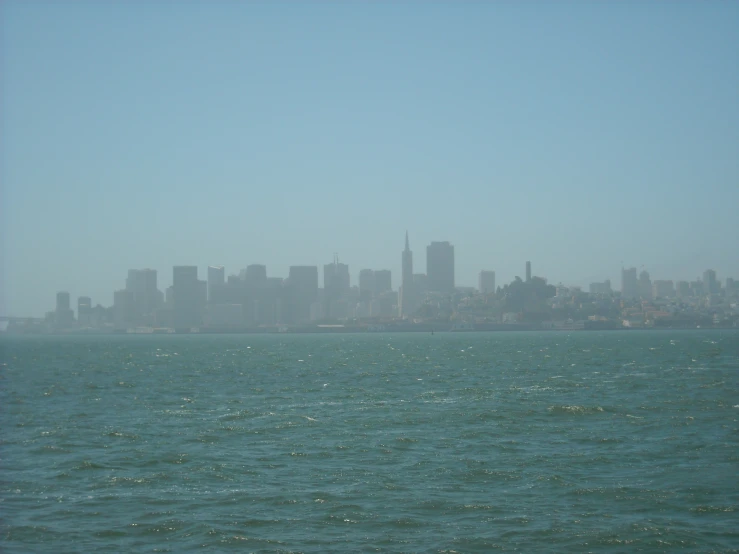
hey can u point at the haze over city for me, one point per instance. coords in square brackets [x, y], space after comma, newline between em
[581, 137]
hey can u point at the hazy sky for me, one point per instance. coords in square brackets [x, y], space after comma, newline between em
[577, 135]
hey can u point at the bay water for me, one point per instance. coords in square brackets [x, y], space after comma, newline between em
[408, 442]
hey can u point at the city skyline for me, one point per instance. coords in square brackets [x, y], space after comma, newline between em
[254, 301]
[218, 273]
[334, 280]
[580, 137]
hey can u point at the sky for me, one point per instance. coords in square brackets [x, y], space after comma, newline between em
[578, 135]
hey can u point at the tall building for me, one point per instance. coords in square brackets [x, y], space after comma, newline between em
[663, 289]
[645, 286]
[84, 310]
[216, 279]
[64, 316]
[528, 271]
[420, 286]
[366, 284]
[601, 288]
[251, 292]
[373, 284]
[682, 289]
[383, 281]
[124, 309]
[62, 301]
[710, 283]
[272, 302]
[407, 297]
[697, 288]
[629, 283]
[335, 279]
[486, 282]
[142, 284]
[440, 267]
[255, 275]
[189, 297]
[336, 287]
[302, 291]
[259, 298]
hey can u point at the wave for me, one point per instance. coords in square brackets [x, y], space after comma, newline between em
[575, 410]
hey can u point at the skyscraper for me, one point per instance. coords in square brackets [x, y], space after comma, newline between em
[407, 297]
[84, 310]
[254, 295]
[366, 284]
[645, 286]
[188, 294]
[420, 285]
[335, 279]
[255, 275]
[710, 283]
[663, 289]
[142, 284]
[64, 314]
[383, 281]
[682, 289]
[302, 291]
[335, 288]
[629, 283]
[440, 267]
[216, 279]
[487, 282]
[601, 288]
[124, 309]
[528, 271]
[62, 301]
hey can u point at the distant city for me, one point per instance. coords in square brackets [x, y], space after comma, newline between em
[251, 301]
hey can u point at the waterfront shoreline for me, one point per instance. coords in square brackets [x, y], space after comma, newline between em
[352, 329]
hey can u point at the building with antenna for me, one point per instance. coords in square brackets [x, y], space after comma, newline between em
[407, 295]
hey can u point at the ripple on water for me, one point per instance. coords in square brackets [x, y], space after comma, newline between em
[472, 442]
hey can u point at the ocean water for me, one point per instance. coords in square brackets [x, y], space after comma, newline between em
[466, 442]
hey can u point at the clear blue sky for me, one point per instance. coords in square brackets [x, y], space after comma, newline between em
[577, 135]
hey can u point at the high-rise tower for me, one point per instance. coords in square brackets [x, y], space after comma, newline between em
[629, 283]
[302, 291]
[190, 295]
[216, 279]
[335, 279]
[64, 314]
[142, 284]
[487, 282]
[440, 267]
[407, 297]
[644, 286]
[710, 283]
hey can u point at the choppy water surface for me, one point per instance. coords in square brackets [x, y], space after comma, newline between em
[619, 441]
